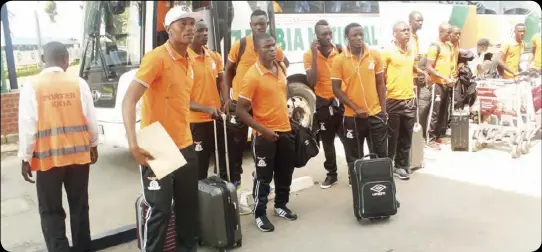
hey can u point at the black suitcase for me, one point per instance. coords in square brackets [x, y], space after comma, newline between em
[373, 187]
[219, 220]
[460, 130]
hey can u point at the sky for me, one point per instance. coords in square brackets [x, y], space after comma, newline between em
[23, 24]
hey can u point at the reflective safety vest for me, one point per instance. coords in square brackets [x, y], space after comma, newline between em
[62, 136]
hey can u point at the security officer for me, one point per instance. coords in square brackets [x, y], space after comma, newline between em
[58, 139]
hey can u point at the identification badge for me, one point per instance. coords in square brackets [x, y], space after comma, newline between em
[371, 65]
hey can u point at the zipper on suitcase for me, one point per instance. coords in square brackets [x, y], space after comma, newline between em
[228, 212]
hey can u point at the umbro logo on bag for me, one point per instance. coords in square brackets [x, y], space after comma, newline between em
[378, 190]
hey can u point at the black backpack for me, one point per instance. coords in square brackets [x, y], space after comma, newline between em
[306, 146]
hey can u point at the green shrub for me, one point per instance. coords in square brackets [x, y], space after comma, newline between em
[23, 73]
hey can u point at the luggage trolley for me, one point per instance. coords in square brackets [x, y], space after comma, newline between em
[506, 114]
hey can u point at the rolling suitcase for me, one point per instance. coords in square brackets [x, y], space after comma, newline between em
[219, 219]
[460, 130]
[141, 213]
[373, 187]
[417, 145]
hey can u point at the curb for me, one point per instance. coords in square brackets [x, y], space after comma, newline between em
[10, 139]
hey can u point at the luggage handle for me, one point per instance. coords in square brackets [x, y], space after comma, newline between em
[217, 162]
[370, 155]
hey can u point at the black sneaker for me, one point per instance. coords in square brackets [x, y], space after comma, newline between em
[401, 174]
[285, 213]
[328, 182]
[264, 224]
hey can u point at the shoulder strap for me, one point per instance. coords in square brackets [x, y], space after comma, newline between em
[438, 49]
[282, 67]
[242, 46]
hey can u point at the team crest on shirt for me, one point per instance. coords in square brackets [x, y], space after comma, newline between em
[232, 120]
[349, 134]
[198, 146]
[371, 65]
[153, 185]
[261, 162]
[213, 65]
[322, 126]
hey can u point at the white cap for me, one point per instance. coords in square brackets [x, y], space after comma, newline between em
[177, 13]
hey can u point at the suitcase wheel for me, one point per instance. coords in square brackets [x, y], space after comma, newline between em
[240, 243]
[524, 147]
[379, 218]
[515, 151]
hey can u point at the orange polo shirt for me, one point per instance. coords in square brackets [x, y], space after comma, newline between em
[512, 51]
[248, 59]
[207, 66]
[267, 94]
[415, 48]
[537, 44]
[398, 65]
[455, 57]
[443, 64]
[323, 86]
[169, 78]
[358, 78]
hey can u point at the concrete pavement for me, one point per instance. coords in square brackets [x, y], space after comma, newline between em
[461, 201]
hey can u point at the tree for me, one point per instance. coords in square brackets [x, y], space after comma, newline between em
[50, 9]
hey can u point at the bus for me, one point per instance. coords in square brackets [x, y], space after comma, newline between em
[116, 35]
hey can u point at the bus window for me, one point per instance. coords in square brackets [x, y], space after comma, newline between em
[328, 6]
[119, 36]
[113, 45]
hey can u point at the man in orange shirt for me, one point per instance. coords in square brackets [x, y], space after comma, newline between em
[236, 67]
[536, 58]
[209, 69]
[510, 53]
[329, 112]
[398, 61]
[454, 44]
[421, 78]
[264, 87]
[165, 79]
[364, 96]
[416, 22]
[439, 67]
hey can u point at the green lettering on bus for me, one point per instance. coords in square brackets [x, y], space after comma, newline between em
[311, 35]
[288, 40]
[298, 40]
[235, 35]
[280, 38]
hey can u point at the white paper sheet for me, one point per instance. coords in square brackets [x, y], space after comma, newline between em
[167, 157]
